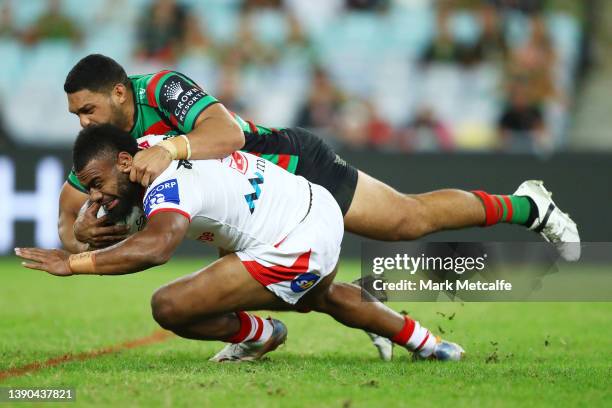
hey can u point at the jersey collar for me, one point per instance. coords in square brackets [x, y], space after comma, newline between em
[134, 102]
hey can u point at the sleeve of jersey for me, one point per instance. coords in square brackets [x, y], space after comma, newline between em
[179, 98]
[74, 182]
[175, 193]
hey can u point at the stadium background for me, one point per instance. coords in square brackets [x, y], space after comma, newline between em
[423, 94]
[407, 75]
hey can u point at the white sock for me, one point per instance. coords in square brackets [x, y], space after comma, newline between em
[416, 338]
[252, 328]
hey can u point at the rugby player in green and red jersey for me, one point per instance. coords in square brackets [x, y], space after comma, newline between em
[169, 103]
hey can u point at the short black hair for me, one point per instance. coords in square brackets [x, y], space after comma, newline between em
[96, 141]
[96, 73]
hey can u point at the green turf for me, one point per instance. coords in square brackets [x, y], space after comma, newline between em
[536, 354]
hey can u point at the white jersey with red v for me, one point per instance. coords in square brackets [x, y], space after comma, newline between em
[234, 203]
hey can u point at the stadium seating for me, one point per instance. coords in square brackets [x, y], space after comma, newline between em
[369, 55]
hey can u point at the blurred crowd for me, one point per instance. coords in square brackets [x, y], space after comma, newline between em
[396, 75]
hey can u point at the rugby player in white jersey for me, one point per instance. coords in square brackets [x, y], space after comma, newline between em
[282, 234]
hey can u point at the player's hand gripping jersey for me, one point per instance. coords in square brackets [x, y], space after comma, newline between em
[286, 230]
[169, 103]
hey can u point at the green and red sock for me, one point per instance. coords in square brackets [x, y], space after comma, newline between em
[510, 209]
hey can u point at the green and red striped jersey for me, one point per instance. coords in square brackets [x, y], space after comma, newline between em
[169, 103]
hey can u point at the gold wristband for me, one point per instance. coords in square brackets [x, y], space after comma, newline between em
[169, 147]
[187, 146]
[83, 263]
[183, 149]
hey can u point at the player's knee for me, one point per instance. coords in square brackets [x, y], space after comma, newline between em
[165, 309]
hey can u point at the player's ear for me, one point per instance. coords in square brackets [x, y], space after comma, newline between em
[120, 93]
[124, 161]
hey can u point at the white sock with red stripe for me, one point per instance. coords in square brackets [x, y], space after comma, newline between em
[415, 338]
[252, 328]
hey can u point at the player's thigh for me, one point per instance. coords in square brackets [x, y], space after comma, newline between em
[223, 286]
[377, 209]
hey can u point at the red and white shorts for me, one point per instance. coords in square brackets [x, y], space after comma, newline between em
[302, 259]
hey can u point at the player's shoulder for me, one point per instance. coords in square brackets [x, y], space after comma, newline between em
[156, 79]
[181, 169]
[171, 185]
[166, 86]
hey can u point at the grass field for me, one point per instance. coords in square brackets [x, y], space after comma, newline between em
[519, 354]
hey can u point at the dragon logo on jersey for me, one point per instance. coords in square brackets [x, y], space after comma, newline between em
[165, 192]
[251, 198]
[239, 162]
[173, 91]
[304, 282]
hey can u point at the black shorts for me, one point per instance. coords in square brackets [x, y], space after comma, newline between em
[316, 161]
[319, 164]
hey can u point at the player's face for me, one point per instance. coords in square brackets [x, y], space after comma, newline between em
[97, 108]
[111, 187]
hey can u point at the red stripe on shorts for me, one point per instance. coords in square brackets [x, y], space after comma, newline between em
[268, 275]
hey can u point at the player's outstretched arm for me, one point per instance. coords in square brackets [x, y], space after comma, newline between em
[151, 247]
[215, 135]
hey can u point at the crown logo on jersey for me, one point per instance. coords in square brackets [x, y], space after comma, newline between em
[173, 91]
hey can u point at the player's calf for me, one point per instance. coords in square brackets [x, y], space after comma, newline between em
[412, 222]
[249, 336]
[344, 303]
[236, 328]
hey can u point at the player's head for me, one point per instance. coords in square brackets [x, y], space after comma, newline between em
[98, 92]
[100, 156]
